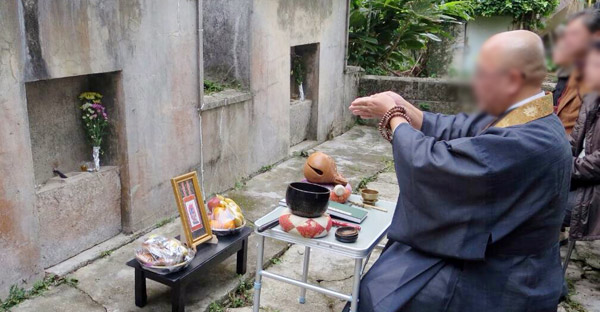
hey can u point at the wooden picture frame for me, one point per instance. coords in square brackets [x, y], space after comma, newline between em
[195, 221]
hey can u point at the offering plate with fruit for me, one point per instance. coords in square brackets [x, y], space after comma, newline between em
[225, 215]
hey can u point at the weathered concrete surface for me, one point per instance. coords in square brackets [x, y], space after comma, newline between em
[441, 95]
[277, 26]
[77, 213]
[159, 83]
[584, 276]
[300, 112]
[256, 35]
[446, 96]
[63, 298]
[225, 139]
[326, 270]
[55, 126]
[18, 220]
[227, 40]
[109, 282]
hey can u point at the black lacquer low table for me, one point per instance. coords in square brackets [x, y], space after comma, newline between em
[207, 255]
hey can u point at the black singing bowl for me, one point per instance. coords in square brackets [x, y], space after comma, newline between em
[307, 199]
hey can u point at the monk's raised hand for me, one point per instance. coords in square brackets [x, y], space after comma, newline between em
[374, 106]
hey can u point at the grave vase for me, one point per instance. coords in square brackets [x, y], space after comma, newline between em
[96, 157]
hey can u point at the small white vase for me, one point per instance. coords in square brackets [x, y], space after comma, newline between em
[96, 156]
[301, 92]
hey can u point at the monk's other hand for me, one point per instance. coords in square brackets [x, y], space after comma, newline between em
[374, 106]
[415, 114]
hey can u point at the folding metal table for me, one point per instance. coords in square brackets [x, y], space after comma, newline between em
[373, 230]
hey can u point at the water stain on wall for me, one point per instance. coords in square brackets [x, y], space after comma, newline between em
[37, 68]
[287, 9]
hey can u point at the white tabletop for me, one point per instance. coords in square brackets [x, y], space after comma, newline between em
[373, 229]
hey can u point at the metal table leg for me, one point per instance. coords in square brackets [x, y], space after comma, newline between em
[259, 268]
[356, 286]
[302, 298]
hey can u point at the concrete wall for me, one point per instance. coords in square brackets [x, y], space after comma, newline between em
[250, 41]
[155, 47]
[478, 31]
[277, 25]
[18, 220]
[440, 95]
[225, 139]
[227, 40]
[300, 112]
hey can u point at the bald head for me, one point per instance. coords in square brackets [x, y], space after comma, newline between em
[511, 67]
[521, 50]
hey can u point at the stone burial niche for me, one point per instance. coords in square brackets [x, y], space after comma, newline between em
[84, 209]
[304, 60]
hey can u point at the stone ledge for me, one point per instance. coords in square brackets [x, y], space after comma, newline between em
[73, 177]
[225, 98]
[300, 102]
[77, 213]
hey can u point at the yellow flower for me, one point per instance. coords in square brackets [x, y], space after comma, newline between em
[90, 96]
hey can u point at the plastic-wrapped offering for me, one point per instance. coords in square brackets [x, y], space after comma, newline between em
[164, 254]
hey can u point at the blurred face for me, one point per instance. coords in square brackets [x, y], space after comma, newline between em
[592, 70]
[561, 55]
[576, 38]
[494, 86]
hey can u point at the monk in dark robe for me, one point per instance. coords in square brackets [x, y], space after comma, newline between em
[481, 196]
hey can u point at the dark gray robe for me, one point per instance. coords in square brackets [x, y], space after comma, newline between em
[477, 220]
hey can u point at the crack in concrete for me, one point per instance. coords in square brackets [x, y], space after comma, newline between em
[90, 297]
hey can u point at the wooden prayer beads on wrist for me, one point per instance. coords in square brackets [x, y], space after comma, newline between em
[384, 125]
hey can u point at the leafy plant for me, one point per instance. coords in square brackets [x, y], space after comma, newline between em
[215, 307]
[17, 294]
[526, 14]
[105, 253]
[298, 71]
[391, 35]
[425, 107]
[266, 168]
[212, 87]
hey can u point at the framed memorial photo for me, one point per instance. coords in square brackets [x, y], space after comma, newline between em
[194, 218]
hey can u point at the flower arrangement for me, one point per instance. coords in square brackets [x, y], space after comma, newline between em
[95, 119]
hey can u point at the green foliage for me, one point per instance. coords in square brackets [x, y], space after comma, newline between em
[242, 296]
[526, 13]
[212, 87]
[215, 307]
[239, 185]
[266, 168]
[391, 35]
[425, 107]
[164, 221]
[105, 253]
[17, 294]
[298, 70]
[365, 181]
[569, 304]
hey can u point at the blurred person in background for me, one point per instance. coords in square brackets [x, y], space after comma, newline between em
[564, 61]
[584, 198]
[580, 31]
